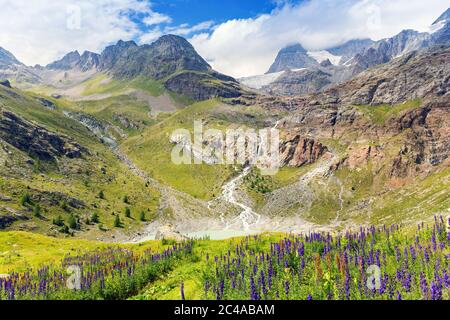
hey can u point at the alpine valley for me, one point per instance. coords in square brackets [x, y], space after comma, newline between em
[85, 153]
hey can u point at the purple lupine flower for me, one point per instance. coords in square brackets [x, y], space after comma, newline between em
[309, 298]
[286, 288]
[263, 283]
[253, 291]
[182, 291]
[424, 286]
[407, 281]
[413, 253]
[347, 285]
[436, 291]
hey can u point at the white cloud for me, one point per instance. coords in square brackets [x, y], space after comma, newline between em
[40, 31]
[180, 30]
[185, 29]
[156, 18]
[248, 46]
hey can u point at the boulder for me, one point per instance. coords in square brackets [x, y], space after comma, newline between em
[168, 232]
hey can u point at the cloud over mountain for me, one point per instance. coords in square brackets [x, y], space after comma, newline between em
[248, 46]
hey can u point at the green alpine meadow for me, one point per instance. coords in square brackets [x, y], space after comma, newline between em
[262, 151]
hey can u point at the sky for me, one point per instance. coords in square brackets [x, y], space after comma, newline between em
[237, 37]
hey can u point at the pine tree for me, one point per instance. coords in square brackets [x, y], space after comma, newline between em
[58, 221]
[72, 222]
[127, 212]
[101, 195]
[125, 200]
[95, 218]
[117, 222]
[37, 211]
[25, 199]
[142, 216]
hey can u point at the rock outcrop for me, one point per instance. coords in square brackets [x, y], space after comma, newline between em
[6, 84]
[296, 151]
[201, 86]
[36, 141]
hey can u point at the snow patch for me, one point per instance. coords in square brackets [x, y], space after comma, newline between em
[437, 26]
[323, 55]
[257, 82]
[297, 70]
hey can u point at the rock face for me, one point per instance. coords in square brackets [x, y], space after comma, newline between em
[302, 81]
[296, 151]
[410, 142]
[351, 48]
[69, 61]
[5, 83]
[292, 57]
[168, 232]
[7, 59]
[418, 74]
[202, 86]
[36, 141]
[8, 216]
[88, 61]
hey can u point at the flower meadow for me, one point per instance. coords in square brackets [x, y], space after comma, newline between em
[376, 263]
[112, 274]
[373, 263]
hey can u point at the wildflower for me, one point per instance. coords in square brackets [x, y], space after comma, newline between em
[286, 288]
[182, 291]
[436, 291]
[424, 286]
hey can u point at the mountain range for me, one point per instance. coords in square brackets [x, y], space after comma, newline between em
[298, 71]
[171, 60]
[85, 142]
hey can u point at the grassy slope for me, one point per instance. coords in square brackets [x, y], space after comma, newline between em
[20, 250]
[78, 178]
[151, 150]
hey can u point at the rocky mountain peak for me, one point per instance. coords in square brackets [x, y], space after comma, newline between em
[68, 62]
[7, 58]
[351, 48]
[88, 60]
[292, 57]
[443, 17]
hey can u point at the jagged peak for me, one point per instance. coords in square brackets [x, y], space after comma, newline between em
[296, 47]
[444, 16]
[8, 57]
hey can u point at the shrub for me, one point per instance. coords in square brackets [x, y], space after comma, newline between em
[127, 212]
[142, 216]
[95, 218]
[117, 222]
[126, 200]
[64, 229]
[101, 195]
[26, 199]
[73, 224]
[58, 221]
[64, 206]
[37, 211]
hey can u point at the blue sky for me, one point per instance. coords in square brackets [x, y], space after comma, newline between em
[197, 11]
[237, 37]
